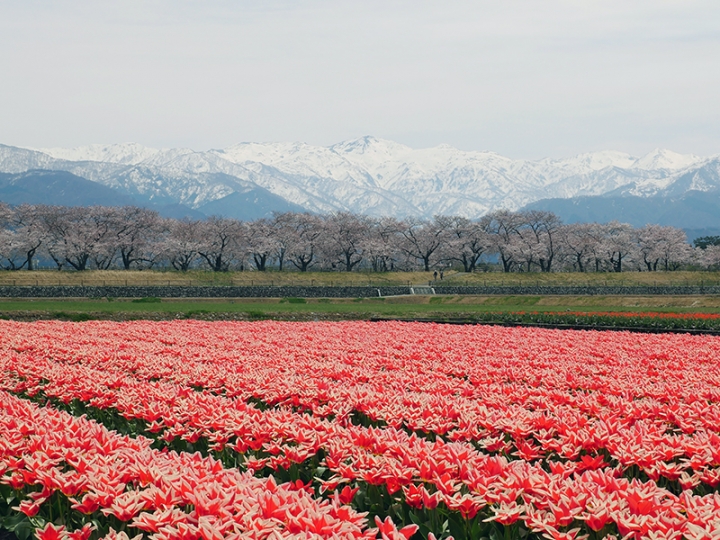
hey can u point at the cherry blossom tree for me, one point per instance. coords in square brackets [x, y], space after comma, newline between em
[135, 230]
[302, 234]
[579, 243]
[381, 244]
[538, 232]
[345, 238]
[101, 225]
[79, 236]
[11, 257]
[618, 245]
[180, 243]
[502, 227]
[421, 239]
[56, 226]
[674, 249]
[260, 242]
[219, 242]
[466, 241]
[709, 257]
[102, 237]
[283, 234]
[21, 236]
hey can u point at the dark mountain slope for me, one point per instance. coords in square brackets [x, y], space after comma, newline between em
[57, 188]
[249, 205]
[60, 188]
[691, 210]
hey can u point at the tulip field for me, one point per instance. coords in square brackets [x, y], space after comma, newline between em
[267, 430]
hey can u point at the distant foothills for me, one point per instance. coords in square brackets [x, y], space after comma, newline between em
[372, 177]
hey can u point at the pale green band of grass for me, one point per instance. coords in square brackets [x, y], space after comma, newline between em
[401, 307]
[360, 279]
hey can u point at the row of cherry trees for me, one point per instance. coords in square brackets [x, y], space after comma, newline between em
[81, 238]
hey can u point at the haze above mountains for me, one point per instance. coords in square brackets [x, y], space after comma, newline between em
[370, 176]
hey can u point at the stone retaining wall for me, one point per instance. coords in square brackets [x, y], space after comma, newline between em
[166, 291]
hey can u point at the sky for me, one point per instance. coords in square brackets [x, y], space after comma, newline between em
[525, 78]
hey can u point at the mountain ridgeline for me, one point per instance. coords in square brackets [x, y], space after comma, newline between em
[367, 176]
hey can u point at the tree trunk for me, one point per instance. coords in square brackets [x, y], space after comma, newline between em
[302, 263]
[80, 264]
[215, 262]
[30, 255]
[58, 262]
[578, 258]
[507, 263]
[260, 261]
[126, 258]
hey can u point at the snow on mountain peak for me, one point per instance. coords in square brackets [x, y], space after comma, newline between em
[370, 146]
[124, 153]
[665, 159]
[268, 153]
[594, 161]
[366, 175]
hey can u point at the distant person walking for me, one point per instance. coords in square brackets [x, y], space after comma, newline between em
[435, 275]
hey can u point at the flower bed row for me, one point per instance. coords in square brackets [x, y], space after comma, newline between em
[67, 477]
[554, 431]
[561, 389]
[454, 489]
[636, 437]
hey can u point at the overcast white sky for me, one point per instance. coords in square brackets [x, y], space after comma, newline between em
[528, 79]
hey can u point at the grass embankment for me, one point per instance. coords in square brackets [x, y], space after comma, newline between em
[198, 277]
[438, 307]
[310, 309]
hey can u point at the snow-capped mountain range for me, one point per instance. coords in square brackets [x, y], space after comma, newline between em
[367, 175]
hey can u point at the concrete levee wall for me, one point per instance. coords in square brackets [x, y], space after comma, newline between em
[198, 292]
[170, 291]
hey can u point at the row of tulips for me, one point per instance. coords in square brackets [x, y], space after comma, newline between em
[633, 441]
[551, 439]
[545, 502]
[645, 400]
[462, 480]
[71, 478]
